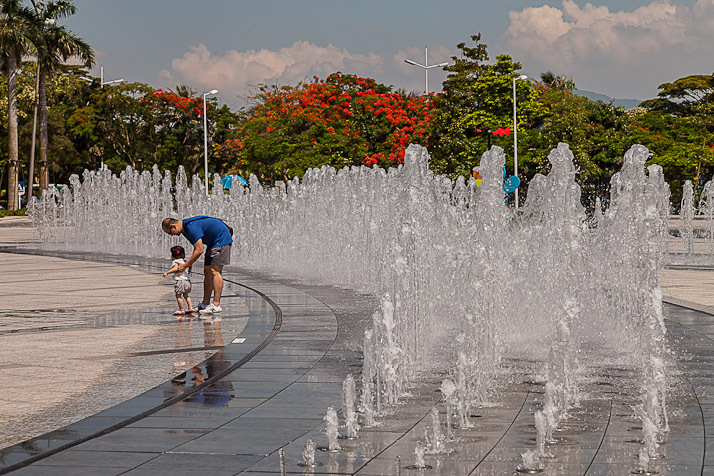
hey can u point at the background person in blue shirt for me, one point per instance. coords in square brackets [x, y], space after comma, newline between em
[213, 235]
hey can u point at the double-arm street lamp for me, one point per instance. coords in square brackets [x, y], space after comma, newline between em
[205, 136]
[101, 78]
[515, 133]
[426, 67]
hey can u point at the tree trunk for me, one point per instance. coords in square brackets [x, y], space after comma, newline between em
[13, 201]
[31, 172]
[44, 171]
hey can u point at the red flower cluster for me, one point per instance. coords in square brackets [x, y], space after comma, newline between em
[182, 104]
[373, 159]
[230, 144]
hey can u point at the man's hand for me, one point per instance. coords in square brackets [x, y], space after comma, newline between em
[181, 268]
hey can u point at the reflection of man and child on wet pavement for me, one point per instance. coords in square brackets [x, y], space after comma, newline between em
[214, 236]
[217, 394]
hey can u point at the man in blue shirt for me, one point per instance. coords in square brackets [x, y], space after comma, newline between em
[215, 236]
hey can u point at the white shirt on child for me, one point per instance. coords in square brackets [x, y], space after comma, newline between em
[180, 276]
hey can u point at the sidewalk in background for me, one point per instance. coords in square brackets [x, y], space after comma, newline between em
[16, 231]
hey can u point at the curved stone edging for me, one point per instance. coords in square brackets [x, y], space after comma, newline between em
[688, 304]
[183, 396]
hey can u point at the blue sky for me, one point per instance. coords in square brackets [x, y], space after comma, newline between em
[623, 49]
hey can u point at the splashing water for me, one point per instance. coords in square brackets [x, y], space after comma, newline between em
[331, 429]
[435, 442]
[419, 461]
[541, 424]
[530, 462]
[551, 412]
[308, 454]
[706, 208]
[348, 407]
[643, 461]
[686, 212]
[448, 388]
[462, 279]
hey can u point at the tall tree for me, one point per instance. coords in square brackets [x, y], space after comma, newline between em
[15, 41]
[340, 121]
[684, 94]
[55, 45]
[477, 98]
[679, 127]
[557, 81]
[185, 91]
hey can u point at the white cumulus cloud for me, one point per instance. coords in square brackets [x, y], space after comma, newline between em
[237, 73]
[652, 44]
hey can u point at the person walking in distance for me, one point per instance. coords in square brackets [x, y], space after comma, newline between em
[214, 236]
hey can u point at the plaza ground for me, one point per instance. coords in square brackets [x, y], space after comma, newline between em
[113, 359]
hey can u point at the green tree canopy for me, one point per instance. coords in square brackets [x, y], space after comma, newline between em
[680, 96]
[477, 98]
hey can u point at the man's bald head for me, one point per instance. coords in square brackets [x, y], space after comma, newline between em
[172, 226]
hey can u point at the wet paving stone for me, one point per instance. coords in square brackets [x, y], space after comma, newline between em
[278, 400]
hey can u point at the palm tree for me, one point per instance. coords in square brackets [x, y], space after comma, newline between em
[15, 41]
[557, 81]
[55, 45]
[185, 91]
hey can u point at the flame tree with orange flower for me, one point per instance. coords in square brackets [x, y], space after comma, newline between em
[340, 121]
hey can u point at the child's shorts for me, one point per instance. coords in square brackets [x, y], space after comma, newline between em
[182, 286]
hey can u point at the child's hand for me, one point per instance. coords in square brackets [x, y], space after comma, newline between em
[165, 274]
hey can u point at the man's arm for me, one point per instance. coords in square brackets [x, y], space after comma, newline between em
[197, 250]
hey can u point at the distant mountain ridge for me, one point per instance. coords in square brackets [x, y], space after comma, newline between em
[626, 103]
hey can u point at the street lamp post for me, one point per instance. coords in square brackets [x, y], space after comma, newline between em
[515, 134]
[205, 137]
[426, 67]
[101, 78]
[101, 85]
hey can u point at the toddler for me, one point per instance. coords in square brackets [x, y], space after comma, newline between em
[182, 284]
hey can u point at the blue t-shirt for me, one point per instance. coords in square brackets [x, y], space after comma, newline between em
[212, 231]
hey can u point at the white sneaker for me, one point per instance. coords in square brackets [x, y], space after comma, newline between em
[211, 309]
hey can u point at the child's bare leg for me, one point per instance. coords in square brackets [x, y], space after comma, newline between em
[188, 301]
[180, 302]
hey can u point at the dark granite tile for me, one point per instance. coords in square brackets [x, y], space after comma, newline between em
[178, 472]
[212, 462]
[241, 441]
[98, 459]
[274, 424]
[38, 470]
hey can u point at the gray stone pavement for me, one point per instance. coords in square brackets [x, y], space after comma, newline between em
[77, 337]
[16, 231]
[271, 390]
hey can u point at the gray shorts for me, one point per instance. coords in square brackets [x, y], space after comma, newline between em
[218, 256]
[182, 286]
